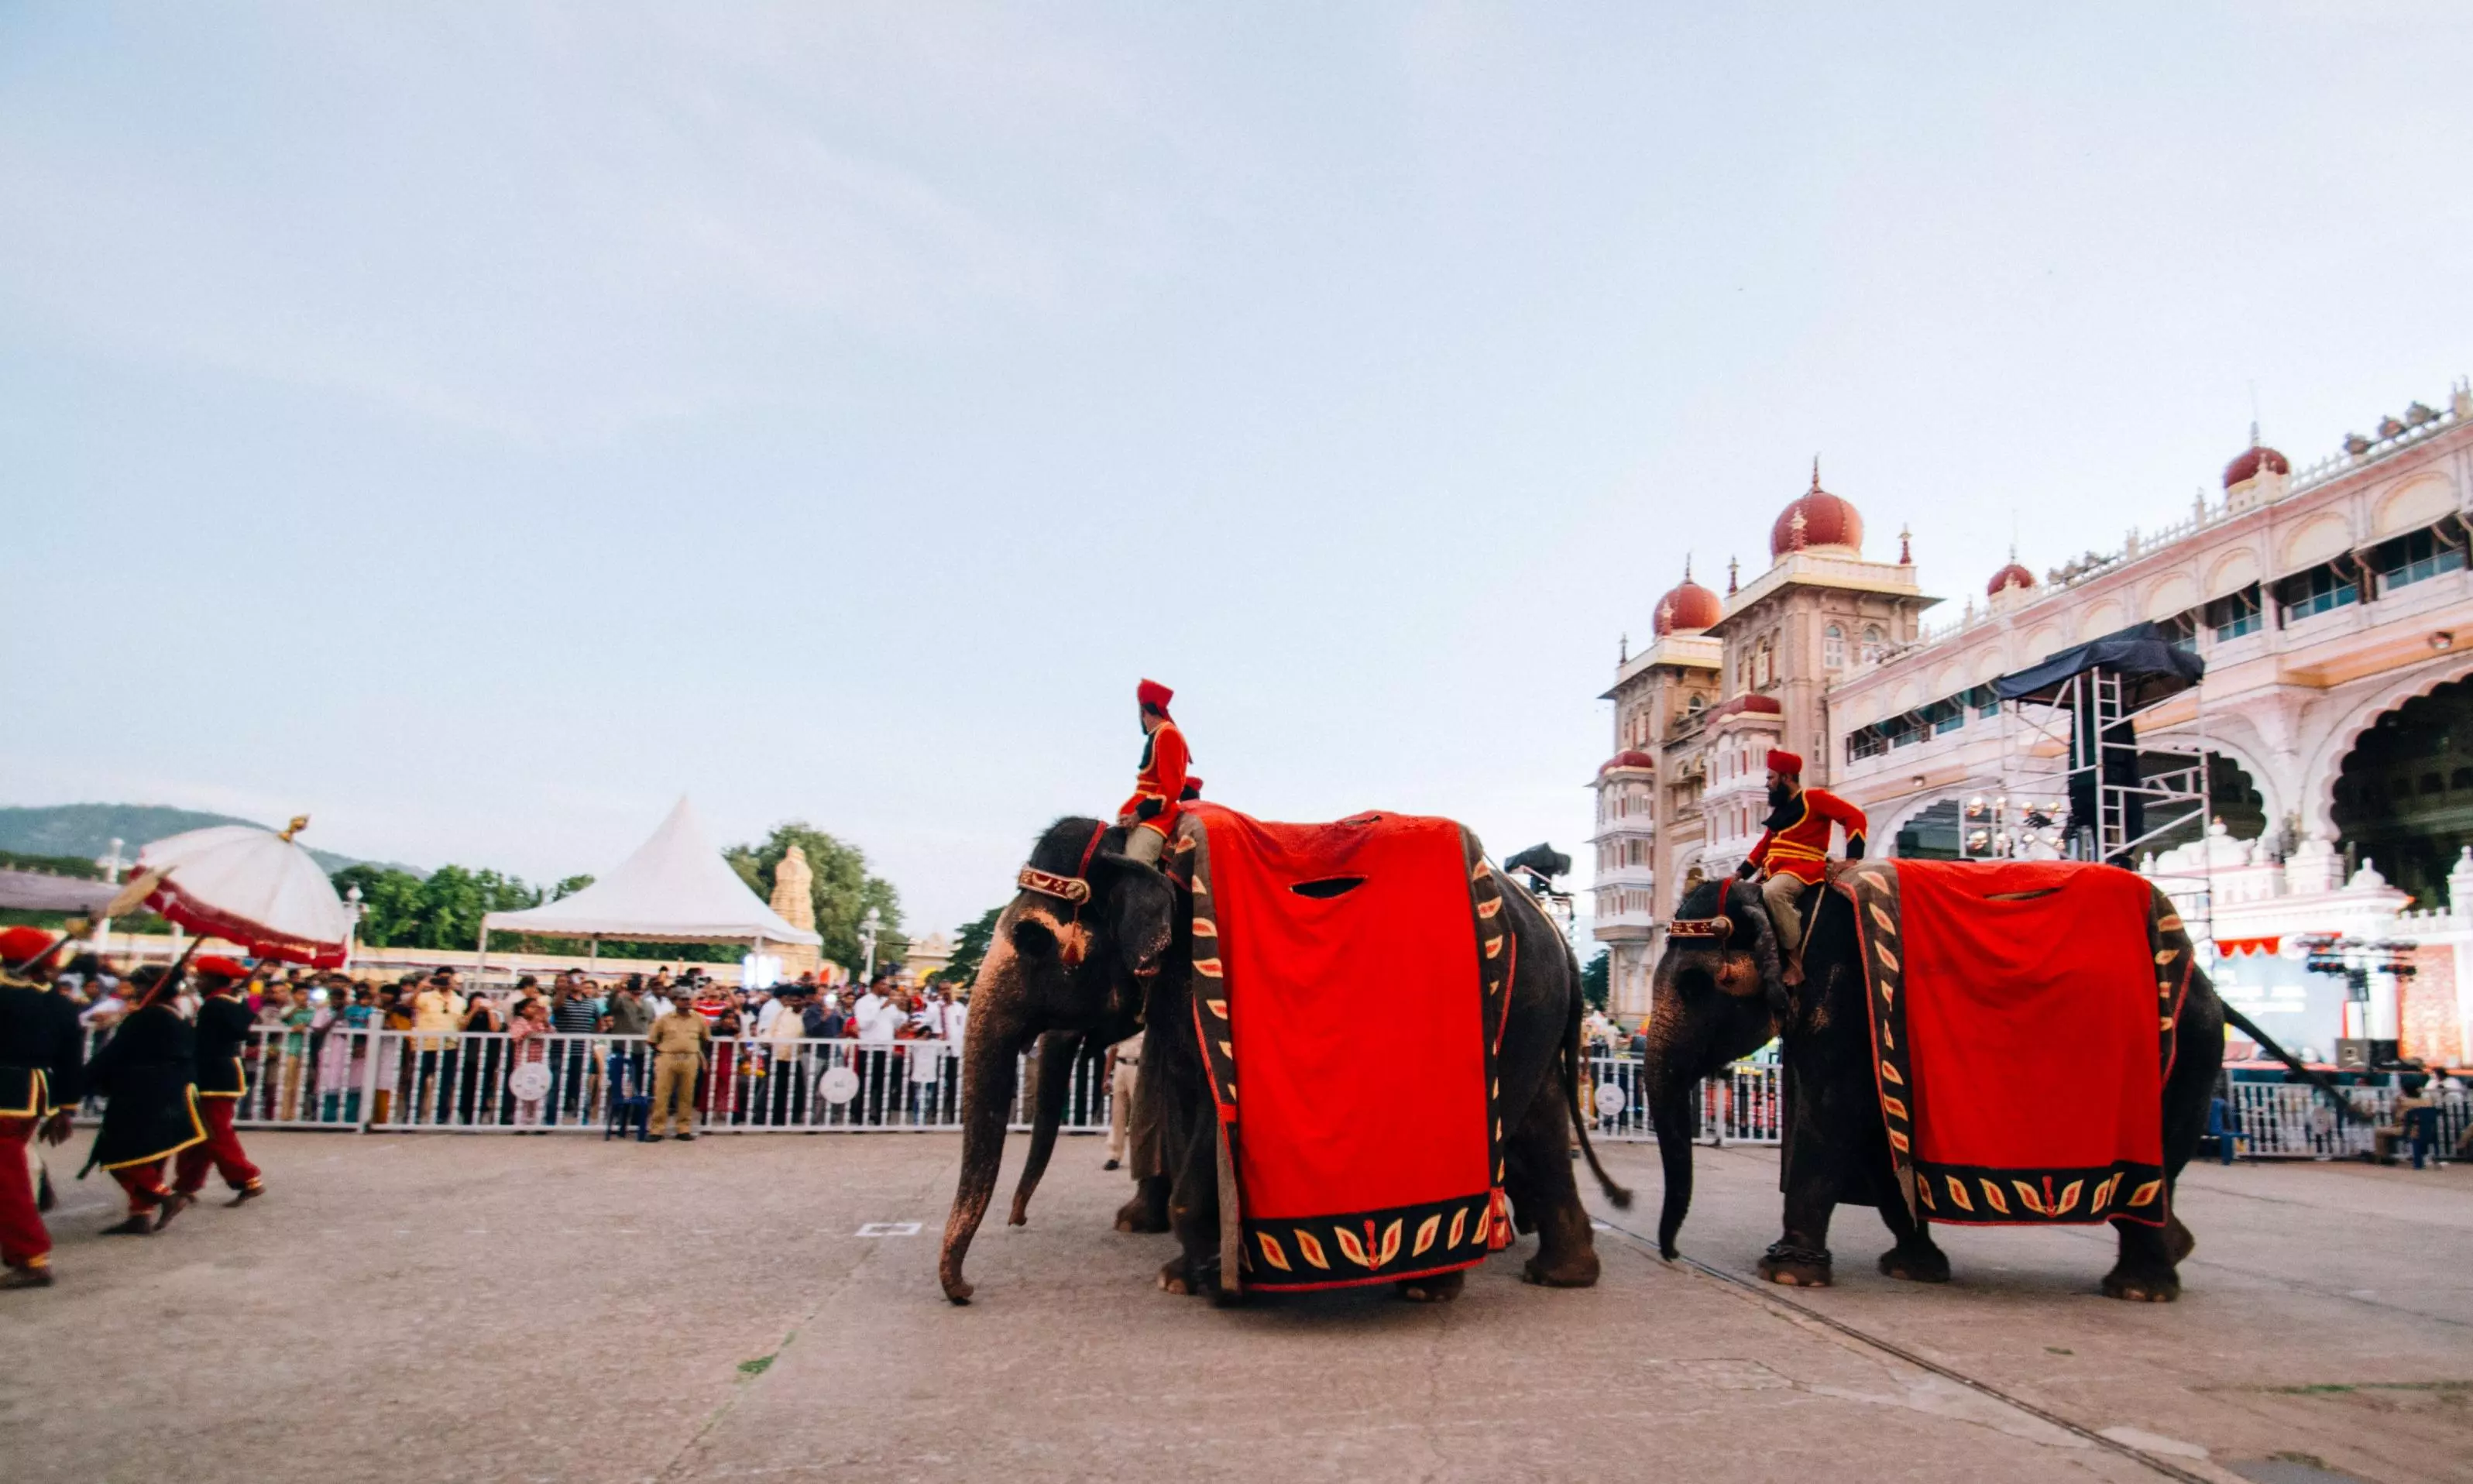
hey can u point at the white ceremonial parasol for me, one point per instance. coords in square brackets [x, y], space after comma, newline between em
[250, 886]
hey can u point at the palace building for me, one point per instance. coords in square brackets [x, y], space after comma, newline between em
[2333, 608]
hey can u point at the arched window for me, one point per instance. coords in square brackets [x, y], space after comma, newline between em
[1832, 646]
[1696, 704]
[1876, 642]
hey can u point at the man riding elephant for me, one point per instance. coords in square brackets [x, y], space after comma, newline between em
[1792, 852]
[1149, 815]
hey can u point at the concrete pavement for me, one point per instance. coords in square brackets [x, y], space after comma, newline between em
[495, 1307]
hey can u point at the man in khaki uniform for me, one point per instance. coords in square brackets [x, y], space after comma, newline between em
[678, 1044]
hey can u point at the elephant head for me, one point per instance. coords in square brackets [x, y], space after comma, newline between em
[1072, 957]
[1715, 998]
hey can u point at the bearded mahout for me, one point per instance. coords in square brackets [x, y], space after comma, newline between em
[2013, 1043]
[1331, 1190]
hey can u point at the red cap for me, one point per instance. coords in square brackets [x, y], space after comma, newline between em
[220, 967]
[17, 945]
[1783, 762]
[1154, 696]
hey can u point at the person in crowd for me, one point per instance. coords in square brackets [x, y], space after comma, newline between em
[299, 1017]
[709, 1001]
[527, 1045]
[437, 1006]
[880, 1019]
[221, 1080]
[152, 1112]
[782, 1025]
[824, 1018]
[104, 1010]
[679, 1044]
[627, 1013]
[481, 1057]
[722, 1090]
[42, 1075]
[575, 1015]
[1125, 1069]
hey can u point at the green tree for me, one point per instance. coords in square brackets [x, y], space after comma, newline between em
[971, 942]
[841, 894]
[1593, 982]
[569, 888]
[390, 904]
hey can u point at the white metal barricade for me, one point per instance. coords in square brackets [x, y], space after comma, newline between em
[1739, 1106]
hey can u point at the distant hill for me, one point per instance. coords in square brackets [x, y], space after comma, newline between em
[86, 831]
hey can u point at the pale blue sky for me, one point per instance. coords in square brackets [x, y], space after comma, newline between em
[479, 424]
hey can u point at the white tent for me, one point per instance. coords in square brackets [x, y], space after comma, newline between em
[676, 888]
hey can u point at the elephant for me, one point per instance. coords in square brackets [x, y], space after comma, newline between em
[1716, 1000]
[1062, 972]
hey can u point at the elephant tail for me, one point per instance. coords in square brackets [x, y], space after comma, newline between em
[1570, 1070]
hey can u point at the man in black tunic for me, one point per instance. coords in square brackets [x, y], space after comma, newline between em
[145, 1071]
[41, 1074]
[223, 1079]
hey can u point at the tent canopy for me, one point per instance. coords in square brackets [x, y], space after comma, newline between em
[676, 888]
[2150, 665]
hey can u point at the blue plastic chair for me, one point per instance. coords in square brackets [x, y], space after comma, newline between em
[630, 1105]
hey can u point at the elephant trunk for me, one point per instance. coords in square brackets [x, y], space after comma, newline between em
[995, 1039]
[1057, 1050]
[1670, 1113]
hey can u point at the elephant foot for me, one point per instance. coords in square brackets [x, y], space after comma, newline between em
[2178, 1241]
[1578, 1271]
[1795, 1267]
[1138, 1216]
[1175, 1278]
[2132, 1286]
[1920, 1264]
[1434, 1287]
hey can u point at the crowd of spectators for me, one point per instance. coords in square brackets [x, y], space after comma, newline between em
[465, 1048]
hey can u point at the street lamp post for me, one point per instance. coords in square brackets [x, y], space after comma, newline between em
[868, 927]
[113, 866]
[353, 908]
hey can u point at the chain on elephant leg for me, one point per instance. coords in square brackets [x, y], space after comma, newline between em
[1800, 1259]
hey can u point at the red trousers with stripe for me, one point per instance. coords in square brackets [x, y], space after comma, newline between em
[24, 1242]
[144, 1184]
[220, 1150]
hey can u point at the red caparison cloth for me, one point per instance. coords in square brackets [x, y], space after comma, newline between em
[2032, 1023]
[1358, 1017]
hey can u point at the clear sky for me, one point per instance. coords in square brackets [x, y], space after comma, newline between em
[479, 424]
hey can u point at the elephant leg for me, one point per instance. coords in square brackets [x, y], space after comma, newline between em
[1800, 1257]
[1147, 1210]
[1917, 1257]
[1537, 1177]
[1437, 1289]
[1194, 1215]
[2144, 1271]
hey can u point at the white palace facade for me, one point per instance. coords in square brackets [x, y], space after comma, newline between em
[2333, 608]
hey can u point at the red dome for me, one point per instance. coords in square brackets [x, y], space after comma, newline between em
[1819, 519]
[2011, 576]
[1688, 608]
[2255, 457]
[1630, 757]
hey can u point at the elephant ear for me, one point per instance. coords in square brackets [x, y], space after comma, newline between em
[1744, 906]
[1140, 911]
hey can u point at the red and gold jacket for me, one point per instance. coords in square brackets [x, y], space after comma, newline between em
[1160, 785]
[1800, 848]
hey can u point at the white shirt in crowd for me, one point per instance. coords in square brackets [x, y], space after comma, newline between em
[957, 1017]
[878, 1019]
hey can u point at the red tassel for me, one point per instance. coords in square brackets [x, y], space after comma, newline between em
[1498, 1221]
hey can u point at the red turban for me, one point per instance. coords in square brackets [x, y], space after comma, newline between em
[221, 967]
[1154, 696]
[1785, 762]
[17, 945]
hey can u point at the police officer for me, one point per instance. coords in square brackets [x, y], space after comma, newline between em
[678, 1044]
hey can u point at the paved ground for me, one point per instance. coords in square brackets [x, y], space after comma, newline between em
[485, 1308]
